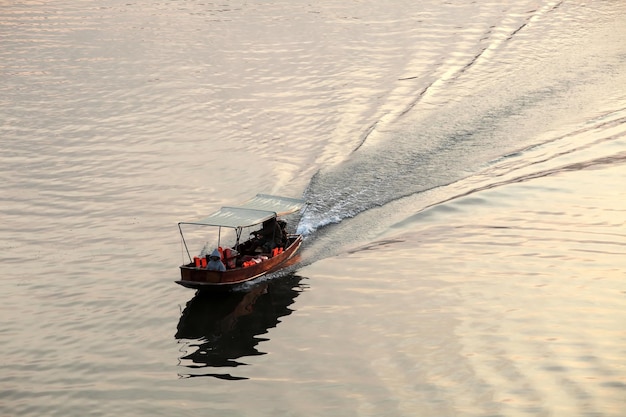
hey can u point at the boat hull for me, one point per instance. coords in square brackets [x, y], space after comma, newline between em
[203, 279]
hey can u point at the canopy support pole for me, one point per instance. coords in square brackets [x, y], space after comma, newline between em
[184, 242]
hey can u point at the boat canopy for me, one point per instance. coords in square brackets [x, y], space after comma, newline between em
[254, 211]
[279, 205]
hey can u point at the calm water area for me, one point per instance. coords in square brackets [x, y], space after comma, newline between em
[465, 240]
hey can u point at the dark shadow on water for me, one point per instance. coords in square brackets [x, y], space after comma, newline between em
[218, 330]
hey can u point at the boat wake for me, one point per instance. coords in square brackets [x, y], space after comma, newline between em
[364, 207]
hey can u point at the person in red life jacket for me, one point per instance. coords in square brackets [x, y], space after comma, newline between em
[215, 262]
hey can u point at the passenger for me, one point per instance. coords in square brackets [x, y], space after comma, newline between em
[230, 258]
[283, 229]
[215, 262]
[270, 236]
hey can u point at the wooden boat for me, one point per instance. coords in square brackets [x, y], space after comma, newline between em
[251, 258]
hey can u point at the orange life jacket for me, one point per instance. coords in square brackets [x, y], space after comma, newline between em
[229, 258]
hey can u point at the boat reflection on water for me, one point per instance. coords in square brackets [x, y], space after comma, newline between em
[217, 329]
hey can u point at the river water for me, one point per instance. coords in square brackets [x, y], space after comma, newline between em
[465, 250]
